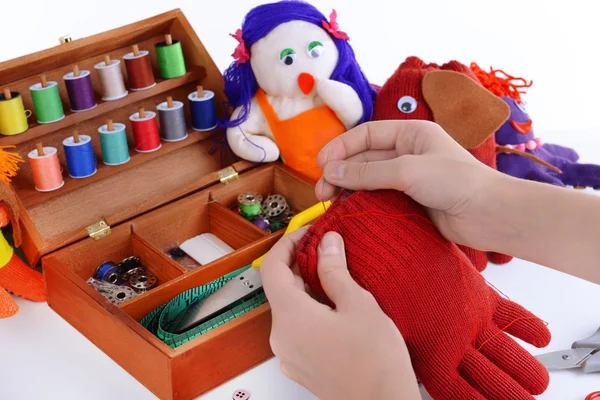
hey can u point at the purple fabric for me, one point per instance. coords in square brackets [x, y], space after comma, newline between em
[564, 158]
[240, 82]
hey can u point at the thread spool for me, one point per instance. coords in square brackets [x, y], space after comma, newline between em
[111, 79]
[81, 160]
[109, 272]
[113, 142]
[145, 131]
[250, 204]
[172, 121]
[46, 101]
[261, 223]
[139, 69]
[170, 58]
[203, 110]
[80, 90]
[47, 174]
[13, 116]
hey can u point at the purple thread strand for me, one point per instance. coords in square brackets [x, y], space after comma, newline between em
[81, 93]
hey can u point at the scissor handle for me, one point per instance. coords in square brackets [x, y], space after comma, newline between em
[299, 220]
[592, 342]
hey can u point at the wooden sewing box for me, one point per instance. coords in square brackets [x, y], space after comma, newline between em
[156, 198]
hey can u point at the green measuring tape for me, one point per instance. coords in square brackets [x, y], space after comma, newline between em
[165, 318]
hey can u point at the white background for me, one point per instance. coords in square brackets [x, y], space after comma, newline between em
[554, 43]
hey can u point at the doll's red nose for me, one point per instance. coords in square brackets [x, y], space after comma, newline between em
[306, 82]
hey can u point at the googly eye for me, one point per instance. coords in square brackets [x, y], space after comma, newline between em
[287, 56]
[521, 106]
[315, 49]
[407, 104]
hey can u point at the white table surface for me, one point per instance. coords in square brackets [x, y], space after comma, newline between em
[43, 357]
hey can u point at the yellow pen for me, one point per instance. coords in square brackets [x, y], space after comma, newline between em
[299, 220]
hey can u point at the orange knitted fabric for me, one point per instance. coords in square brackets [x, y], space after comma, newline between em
[23, 281]
[8, 307]
[451, 320]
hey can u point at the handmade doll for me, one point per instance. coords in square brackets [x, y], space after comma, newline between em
[294, 86]
[518, 143]
[15, 277]
[453, 323]
[403, 98]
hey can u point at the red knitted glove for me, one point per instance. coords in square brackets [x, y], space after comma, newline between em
[449, 317]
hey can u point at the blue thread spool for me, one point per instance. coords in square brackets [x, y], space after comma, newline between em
[203, 109]
[80, 156]
[109, 272]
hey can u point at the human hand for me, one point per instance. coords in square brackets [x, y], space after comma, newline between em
[420, 159]
[351, 352]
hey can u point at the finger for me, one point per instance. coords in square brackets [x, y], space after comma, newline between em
[278, 279]
[488, 379]
[336, 281]
[399, 173]
[451, 387]
[515, 320]
[373, 155]
[504, 351]
[405, 137]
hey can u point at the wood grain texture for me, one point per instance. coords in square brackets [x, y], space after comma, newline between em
[148, 361]
[231, 228]
[138, 308]
[81, 49]
[222, 354]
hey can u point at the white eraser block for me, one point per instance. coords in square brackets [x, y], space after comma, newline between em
[206, 248]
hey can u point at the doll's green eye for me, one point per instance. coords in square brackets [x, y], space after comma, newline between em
[287, 56]
[315, 49]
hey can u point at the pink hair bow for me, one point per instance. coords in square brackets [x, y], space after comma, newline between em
[241, 52]
[333, 27]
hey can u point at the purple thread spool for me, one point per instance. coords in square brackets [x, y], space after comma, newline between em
[81, 91]
[261, 223]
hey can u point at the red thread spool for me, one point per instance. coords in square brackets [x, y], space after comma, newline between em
[139, 70]
[145, 131]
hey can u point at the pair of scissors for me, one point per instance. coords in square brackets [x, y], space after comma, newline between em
[584, 354]
[249, 283]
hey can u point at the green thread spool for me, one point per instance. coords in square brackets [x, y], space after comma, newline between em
[170, 58]
[115, 150]
[47, 103]
[250, 204]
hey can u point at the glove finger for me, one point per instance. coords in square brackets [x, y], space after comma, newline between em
[488, 379]
[521, 323]
[450, 387]
[513, 359]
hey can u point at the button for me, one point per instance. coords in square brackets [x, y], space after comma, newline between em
[241, 395]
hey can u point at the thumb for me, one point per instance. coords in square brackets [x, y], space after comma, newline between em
[399, 173]
[333, 272]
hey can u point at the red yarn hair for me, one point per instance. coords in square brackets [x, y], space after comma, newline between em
[501, 86]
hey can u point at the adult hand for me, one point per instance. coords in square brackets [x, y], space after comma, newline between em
[420, 159]
[351, 352]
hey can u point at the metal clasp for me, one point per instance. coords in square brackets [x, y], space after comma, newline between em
[65, 39]
[228, 175]
[99, 230]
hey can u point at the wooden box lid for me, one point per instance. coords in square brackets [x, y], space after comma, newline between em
[114, 194]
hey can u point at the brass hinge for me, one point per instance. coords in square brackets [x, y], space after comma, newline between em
[98, 230]
[228, 175]
[65, 39]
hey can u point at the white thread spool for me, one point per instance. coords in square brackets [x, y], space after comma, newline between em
[111, 78]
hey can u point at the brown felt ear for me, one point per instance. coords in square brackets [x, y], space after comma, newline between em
[465, 109]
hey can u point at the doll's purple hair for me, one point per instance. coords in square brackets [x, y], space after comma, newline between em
[240, 82]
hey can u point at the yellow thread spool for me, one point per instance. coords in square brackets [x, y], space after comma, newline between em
[13, 116]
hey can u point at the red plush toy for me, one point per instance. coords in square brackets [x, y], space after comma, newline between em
[454, 324]
[402, 98]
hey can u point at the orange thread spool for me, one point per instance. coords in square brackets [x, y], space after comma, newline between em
[47, 173]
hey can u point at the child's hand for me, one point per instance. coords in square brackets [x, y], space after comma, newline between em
[420, 159]
[352, 352]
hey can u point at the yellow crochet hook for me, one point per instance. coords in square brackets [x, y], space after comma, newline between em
[299, 220]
